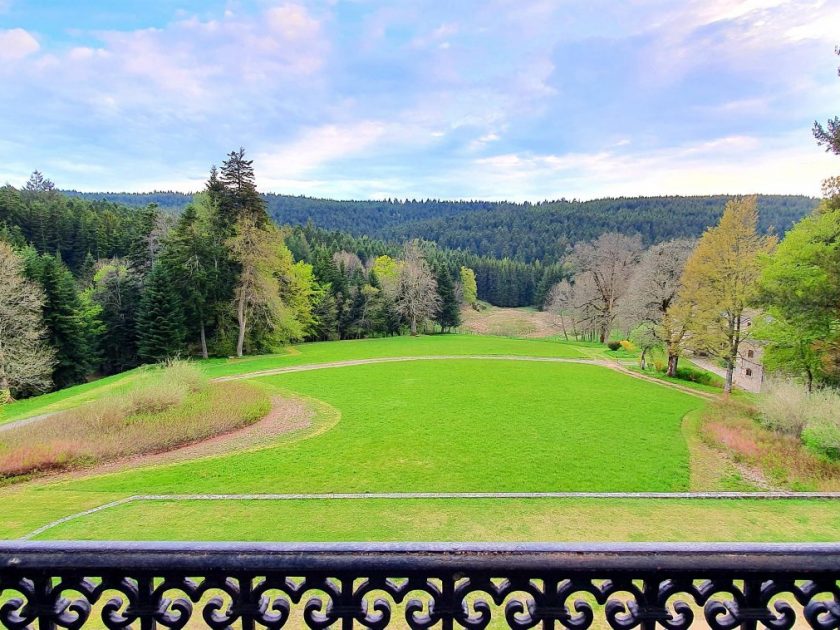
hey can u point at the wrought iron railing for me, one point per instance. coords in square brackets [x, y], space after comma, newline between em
[221, 585]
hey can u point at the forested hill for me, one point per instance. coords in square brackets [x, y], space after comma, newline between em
[526, 231]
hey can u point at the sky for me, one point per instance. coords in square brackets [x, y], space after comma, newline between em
[458, 99]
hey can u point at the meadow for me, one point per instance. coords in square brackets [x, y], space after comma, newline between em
[488, 415]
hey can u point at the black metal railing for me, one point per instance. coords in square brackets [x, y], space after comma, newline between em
[221, 585]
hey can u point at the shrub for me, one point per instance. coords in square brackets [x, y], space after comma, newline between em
[823, 437]
[627, 345]
[613, 345]
[788, 407]
[660, 366]
[783, 406]
[165, 408]
[697, 376]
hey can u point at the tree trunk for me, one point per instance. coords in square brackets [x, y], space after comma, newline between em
[730, 372]
[413, 327]
[673, 360]
[241, 318]
[204, 354]
[5, 389]
[809, 379]
[642, 362]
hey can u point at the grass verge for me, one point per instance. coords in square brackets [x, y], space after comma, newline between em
[462, 520]
[168, 408]
[732, 426]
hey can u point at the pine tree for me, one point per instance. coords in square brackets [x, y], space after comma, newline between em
[160, 319]
[449, 315]
[117, 292]
[68, 332]
[240, 198]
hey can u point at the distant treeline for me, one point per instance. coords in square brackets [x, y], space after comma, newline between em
[501, 282]
[524, 232]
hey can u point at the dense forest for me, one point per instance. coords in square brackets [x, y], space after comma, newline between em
[524, 232]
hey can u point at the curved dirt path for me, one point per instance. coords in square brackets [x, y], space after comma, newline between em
[607, 363]
[286, 415]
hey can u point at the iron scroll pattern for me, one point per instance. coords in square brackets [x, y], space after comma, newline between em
[415, 587]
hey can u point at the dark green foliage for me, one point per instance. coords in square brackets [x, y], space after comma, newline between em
[613, 345]
[71, 328]
[72, 227]
[521, 232]
[160, 318]
[237, 191]
[449, 315]
[117, 291]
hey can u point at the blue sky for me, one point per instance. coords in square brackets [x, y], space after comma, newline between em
[492, 99]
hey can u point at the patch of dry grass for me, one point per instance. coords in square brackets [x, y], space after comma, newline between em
[733, 425]
[169, 407]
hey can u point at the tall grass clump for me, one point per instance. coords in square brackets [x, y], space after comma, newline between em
[814, 417]
[168, 406]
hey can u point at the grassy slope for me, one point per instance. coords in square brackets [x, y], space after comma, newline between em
[64, 398]
[302, 354]
[400, 393]
[458, 426]
[328, 351]
[468, 520]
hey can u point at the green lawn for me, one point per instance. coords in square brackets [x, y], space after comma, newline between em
[307, 353]
[457, 426]
[431, 345]
[454, 425]
[461, 520]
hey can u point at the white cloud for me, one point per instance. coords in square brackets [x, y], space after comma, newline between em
[317, 147]
[735, 164]
[16, 43]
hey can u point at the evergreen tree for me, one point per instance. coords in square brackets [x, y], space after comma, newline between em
[117, 292]
[240, 198]
[68, 331]
[160, 318]
[449, 315]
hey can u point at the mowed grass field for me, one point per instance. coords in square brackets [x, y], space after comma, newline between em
[446, 425]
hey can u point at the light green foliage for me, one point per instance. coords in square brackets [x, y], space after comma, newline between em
[468, 286]
[801, 284]
[387, 271]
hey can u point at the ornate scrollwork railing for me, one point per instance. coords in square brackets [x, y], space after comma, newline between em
[222, 585]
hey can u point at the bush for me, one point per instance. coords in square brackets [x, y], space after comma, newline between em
[165, 408]
[788, 407]
[697, 376]
[783, 407]
[613, 345]
[627, 345]
[660, 366]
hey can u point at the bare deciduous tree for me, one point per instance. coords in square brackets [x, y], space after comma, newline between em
[348, 263]
[604, 268]
[26, 361]
[417, 297]
[650, 300]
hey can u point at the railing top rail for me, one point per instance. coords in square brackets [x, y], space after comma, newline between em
[790, 558]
